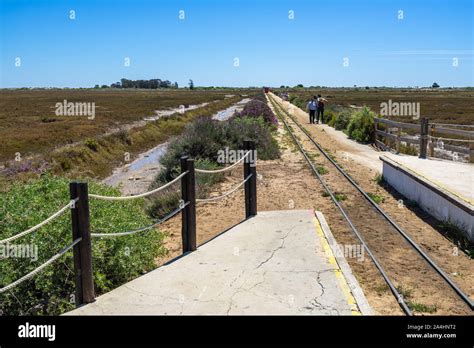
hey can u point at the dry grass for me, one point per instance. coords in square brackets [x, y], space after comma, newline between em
[439, 105]
[29, 124]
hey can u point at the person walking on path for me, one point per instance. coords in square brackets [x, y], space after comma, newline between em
[312, 108]
[320, 109]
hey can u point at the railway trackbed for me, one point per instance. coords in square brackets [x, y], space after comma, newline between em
[411, 275]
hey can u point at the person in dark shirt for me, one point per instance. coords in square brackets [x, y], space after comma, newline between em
[320, 109]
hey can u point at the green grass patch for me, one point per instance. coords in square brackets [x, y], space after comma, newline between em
[340, 196]
[421, 307]
[375, 197]
[322, 170]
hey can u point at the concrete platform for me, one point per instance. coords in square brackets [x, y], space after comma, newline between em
[444, 189]
[278, 262]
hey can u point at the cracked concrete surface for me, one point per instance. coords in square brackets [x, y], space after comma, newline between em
[273, 263]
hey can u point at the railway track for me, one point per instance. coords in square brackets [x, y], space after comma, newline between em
[414, 275]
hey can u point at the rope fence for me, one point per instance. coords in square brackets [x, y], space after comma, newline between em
[145, 194]
[212, 199]
[223, 169]
[39, 268]
[149, 227]
[80, 219]
[44, 222]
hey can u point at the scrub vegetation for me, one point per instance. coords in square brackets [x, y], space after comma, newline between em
[204, 138]
[115, 260]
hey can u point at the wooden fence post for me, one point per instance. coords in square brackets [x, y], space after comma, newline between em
[423, 137]
[431, 131]
[188, 194]
[375, 133]
[399, 134]
[80, 222]
[471, 152]
[250, 167]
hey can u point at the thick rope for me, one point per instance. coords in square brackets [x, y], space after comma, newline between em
[118, 234]
[206, 200]
[123, 198]
[223, 169]
[40, 268]
[44, 222]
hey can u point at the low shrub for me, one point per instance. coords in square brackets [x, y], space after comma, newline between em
[330, 118]
[46, 119]
[238, 130]
[298, 101]
[203, 138]
[408, 149]
[342, 119]
[115, 260]
[91, 144]
[124, 137]
[361, 126]
[167, 200]
[257, 108]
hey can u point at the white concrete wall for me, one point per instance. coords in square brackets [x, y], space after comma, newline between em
[430, 201]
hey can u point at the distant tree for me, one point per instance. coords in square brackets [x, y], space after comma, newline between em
[434, 85]
[299, 85]
[104, 86]
[165, 84]
[282, 86]
[146, 84]
[191, 84]
[96, 86]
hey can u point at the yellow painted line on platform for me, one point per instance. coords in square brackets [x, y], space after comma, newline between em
[337, 271]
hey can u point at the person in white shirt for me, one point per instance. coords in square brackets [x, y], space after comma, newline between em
[312, 107]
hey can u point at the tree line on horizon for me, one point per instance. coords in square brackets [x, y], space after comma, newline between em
[146, 84]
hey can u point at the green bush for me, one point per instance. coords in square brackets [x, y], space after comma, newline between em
[91, 144]
[298, 101]
[342, 119]
[167, 200]
[361, 126]
[330, 118]
[203, 139]
[115, 260]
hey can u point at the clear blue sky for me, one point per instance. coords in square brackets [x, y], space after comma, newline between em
[272, 49]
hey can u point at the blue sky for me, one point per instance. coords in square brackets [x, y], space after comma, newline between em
[272, 49]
